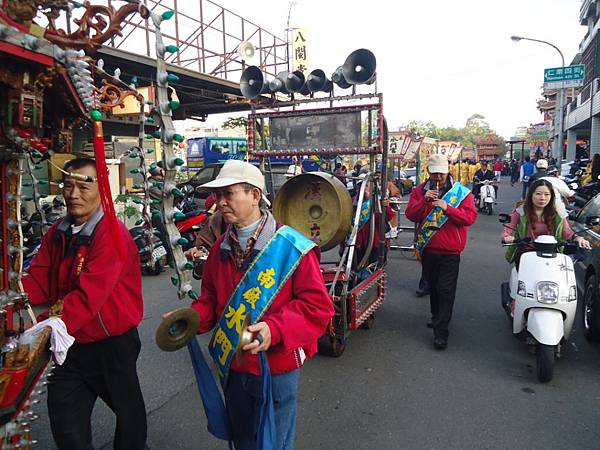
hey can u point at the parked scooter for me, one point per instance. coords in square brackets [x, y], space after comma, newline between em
[153, 257]
[487, 196]
[541, 297]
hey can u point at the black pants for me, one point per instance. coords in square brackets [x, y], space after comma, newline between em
[105, 369]
[441, 272]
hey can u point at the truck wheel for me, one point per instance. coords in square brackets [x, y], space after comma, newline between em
[545, 362]
[591, 310]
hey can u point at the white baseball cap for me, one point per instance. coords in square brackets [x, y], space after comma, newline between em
[437, 164]
[541, 164]
[235, 172]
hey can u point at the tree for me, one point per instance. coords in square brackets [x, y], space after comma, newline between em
[421, 128]
[236, 122]
[475, 128]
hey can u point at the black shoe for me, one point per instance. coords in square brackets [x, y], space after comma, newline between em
[422, 293]
[429, 323]
[440, 343]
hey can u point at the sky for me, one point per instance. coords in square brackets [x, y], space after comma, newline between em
[437, 60]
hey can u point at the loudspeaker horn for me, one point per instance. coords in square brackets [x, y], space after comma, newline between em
[277, 84]
[317, 81]
[338, 78]
[294, 81]
[177, 328]
[359, 67]
[252, 83]
[246, 50]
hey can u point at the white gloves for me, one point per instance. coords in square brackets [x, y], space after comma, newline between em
[60, 339]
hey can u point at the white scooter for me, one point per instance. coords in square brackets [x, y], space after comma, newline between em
[487, 196]
[541, 298]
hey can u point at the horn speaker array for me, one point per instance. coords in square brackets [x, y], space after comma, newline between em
[359, 68]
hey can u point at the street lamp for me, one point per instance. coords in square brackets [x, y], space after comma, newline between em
[558, 116]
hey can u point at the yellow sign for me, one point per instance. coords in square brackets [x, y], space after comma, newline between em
[131, 105]
[299, 55]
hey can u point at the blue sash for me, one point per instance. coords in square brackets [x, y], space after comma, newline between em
[365, 213]
[453, 197]
[255, 292]
[253, 295]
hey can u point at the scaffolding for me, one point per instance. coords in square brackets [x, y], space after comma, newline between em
[207, 35]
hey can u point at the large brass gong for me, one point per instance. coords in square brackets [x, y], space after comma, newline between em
[316, 204]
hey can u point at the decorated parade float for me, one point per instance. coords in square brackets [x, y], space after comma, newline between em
[319, 118]
[51, 84]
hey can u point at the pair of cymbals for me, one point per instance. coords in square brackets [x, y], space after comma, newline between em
[179, 327]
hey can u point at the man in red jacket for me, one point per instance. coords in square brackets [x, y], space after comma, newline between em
[441, 248]
[99, 299]
[286, 326]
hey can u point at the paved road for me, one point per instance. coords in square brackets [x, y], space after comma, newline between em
[391, 389]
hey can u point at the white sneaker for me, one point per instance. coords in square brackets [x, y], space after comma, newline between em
[392, 234]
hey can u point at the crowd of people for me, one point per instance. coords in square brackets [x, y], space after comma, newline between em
[255, 267]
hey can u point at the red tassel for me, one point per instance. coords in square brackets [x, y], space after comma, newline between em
[105, 195]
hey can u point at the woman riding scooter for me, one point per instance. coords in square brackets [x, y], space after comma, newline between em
[535, 217]
[541, 295]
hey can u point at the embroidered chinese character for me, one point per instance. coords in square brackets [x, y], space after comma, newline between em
[265, 278]
[236, 317]
[252, 295]
[226, 347]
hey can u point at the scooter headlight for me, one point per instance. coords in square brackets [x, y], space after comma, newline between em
[572, 293]
[521, 290]
[547, 292]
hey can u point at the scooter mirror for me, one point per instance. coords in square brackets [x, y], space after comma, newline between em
[592, 221]
[504, 218]
[187, 189]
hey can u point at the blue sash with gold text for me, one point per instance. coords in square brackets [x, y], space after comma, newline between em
[253, 295]
[255, 292]
[453, 197]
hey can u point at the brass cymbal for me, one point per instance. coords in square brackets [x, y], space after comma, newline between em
[177, 328]
[246, 336]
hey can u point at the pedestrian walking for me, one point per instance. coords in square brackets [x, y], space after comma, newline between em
[514, 171]
[270, 274]
[526, 171]
[98, 298]
[443, 209]
[498, 168]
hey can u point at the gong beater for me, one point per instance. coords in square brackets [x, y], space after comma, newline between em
[316, 204]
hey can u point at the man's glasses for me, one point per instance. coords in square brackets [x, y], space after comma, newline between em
[228, 194]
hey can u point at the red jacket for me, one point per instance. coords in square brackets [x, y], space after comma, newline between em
[452, 237]
[105, 299]
[297, 317]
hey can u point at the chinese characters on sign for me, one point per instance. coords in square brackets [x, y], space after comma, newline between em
[299, 55]
[563, 77]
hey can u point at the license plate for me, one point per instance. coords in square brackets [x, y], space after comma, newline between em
[158, 253]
